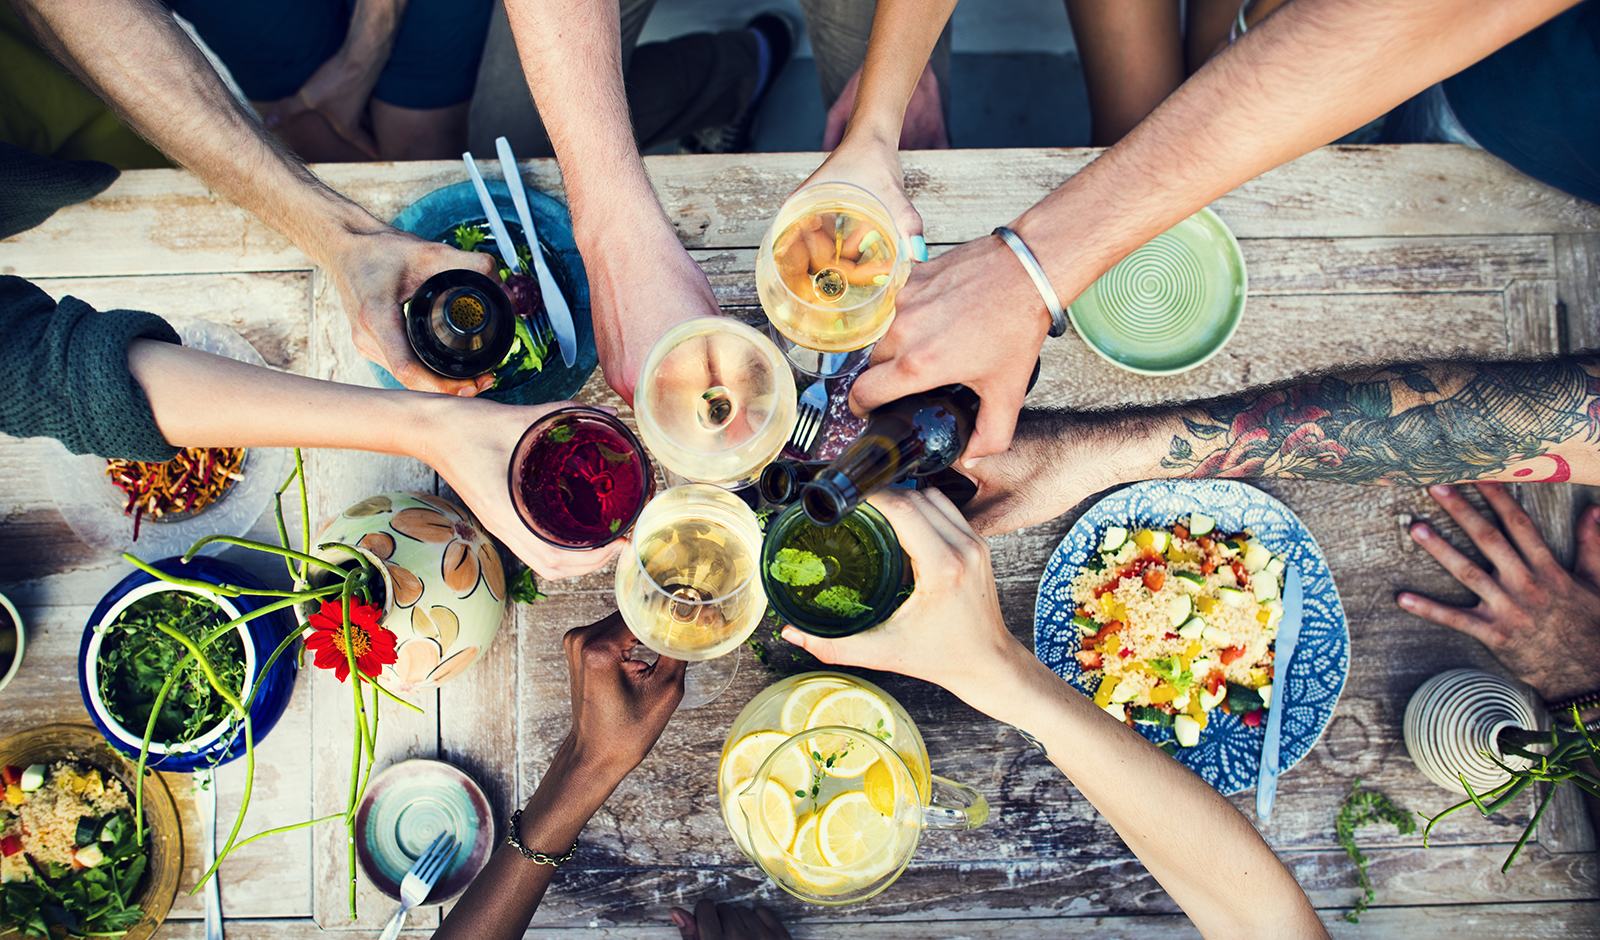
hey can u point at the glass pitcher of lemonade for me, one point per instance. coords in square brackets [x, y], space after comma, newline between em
[824, 785]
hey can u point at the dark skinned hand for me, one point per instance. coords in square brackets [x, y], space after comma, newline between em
[711, 921]
[1537, 618]
[619, 705]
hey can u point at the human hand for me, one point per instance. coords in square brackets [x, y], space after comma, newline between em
[377, 272]
[619, 705]
[1538, 619]
[949, 631]
[975, 289]
[338, 91]
[711, 921]
[922, 127]
[469, 442]
[641, 284]
[1056, 460]
[874, 165]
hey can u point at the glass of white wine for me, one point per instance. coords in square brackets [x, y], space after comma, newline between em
[827, 274]
[688, 585]
[716, 401]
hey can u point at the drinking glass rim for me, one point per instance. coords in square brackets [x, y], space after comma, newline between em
[780, 370]
[894, 228]
[611, 421]
[633, 551]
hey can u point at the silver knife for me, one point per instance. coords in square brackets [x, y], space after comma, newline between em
[1288, 639]
[205, 805]
[497, 226]
[554, 304]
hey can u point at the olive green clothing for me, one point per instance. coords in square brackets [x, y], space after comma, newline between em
[839, 31]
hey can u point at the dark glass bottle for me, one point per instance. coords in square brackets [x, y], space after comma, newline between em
[781, 480]
[460, 323]
[917, 435]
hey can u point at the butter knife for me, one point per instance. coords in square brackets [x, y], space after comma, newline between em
[205, 806]
[555, 304]
[1288, 639]
[497, 226]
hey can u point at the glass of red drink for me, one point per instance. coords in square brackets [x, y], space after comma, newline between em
[579, 478]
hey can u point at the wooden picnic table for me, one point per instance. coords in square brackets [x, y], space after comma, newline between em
[1355, 254]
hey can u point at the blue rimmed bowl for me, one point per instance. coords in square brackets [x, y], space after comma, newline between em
[259, 637]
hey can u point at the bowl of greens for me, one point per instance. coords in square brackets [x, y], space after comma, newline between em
[137, 678]
[73, 859]
[533, 373]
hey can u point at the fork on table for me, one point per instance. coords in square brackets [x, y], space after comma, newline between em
[809, 412]
[425, 871]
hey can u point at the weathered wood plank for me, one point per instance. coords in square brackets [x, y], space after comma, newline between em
[1578, 286]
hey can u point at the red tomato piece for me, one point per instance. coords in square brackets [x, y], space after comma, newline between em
[1180, 530]
[1155, 577]
[1230, 654]
[1205, 542]
[1214, 681]
[1252, 719]
[12, 775]
[1124, 652]
[1089, 659]
[1171, 636]
[1208, 564]
[1239, 573]
[10, 845]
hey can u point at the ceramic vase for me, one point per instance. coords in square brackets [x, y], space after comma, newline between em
[444, 584]
[270, 688]
[1453, 721]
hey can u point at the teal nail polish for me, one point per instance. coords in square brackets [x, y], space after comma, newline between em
[919, 248]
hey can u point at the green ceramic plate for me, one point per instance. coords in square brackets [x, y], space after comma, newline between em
[404, 808]
[1170, 305]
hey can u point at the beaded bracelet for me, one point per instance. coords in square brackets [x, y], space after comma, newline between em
[514, 839]
[1565, 706]
[1030, 264]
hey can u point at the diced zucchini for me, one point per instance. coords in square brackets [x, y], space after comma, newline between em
[1179, 608]
[1113, 539]
[1119, 712]
[1232, 596]
[1200, 523]
[85, 832]
[1274, 567]
[1159, 540]
[1126, 690]
[1192, 629]
[1264, 587]
[1210, 700]
[1201, 668]
[33, 777]
[1190, 580]
[1214, 635]
[1085, 626]
[1187, 731]
[1266, 695]
[1181, 702]
[90, 856]
[1147, 715]
[1256, 556]
[1229, 548]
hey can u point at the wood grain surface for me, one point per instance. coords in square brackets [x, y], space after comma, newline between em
[1356, 255]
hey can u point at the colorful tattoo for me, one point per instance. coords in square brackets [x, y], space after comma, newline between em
[1402, 424]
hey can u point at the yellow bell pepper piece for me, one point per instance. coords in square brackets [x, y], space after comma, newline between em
[14, 794]
[1162, 693]
[1144, 538]
[1102, 695]
[1205, 605]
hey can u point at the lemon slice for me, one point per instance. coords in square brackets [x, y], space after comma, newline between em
[733, 813]
[850, 830]
[879, 786]
[747, 755]
[852, 708]
[805, 848]
[777, 811]
[797, 707]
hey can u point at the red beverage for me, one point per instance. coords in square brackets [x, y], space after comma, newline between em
[579, 478]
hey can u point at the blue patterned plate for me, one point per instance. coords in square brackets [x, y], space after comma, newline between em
[1229, 754]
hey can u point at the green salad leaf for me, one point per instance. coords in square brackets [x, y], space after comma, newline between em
[468, 238]
[524, 587]
[136, 658]
[797, 567]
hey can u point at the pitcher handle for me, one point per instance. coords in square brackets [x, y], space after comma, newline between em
[954, 806]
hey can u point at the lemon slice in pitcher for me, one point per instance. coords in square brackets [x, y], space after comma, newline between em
[777, 810]
[797, 707]
[852, 708]
[850, 829]
[747, 755]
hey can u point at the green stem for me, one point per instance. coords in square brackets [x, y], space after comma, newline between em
[244, 804]
[301, 557]
[205, 667]
[144, 745]
[283, 527]
[289, 828]
[1532, 824]
[1515, 790]
[391, 696]
[305, 507]
[225, 590]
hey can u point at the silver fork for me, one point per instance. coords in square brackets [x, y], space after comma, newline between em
[809, 412]
[419, 881]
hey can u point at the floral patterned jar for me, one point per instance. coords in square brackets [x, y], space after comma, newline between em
[446, 587]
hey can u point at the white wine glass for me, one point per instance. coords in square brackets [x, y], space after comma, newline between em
[688, 584]
[827, 274]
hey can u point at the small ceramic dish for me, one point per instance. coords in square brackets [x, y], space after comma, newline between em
[409, 804]
[13, 641]
[83, 745]
[1169, 306]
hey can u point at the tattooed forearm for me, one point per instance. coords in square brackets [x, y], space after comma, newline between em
[1403, 424]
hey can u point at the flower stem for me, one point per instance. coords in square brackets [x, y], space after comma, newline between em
[301, 557]
[244, 805]
[391, 696]
[283, 528]
[224, 589]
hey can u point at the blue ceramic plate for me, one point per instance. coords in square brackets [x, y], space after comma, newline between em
[409, 804]
[1229, 754]
[435, 217]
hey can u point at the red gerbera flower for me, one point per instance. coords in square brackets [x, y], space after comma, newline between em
[373, 646]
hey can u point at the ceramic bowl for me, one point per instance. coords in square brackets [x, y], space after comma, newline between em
[443, 576]
[271, 687]
[409, 804]
[14, 637]
[84, 746]
[1453, 721]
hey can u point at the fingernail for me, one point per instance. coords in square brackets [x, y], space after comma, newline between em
[919, 248]
[1441, 491]
[971, 462]
[467, 392]
[678, 918]
[1421, 532]
[790, 635]
[1406, 601]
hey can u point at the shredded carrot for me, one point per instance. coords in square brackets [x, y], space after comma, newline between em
[187, 483]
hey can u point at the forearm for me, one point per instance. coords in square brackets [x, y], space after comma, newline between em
[1409, 425]
[904, 33]
[503, 898]
[572, 59]
[1310, 73]
[134, 55]
[1233, 887]
[373, 25]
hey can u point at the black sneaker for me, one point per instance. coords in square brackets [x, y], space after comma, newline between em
[783, 35]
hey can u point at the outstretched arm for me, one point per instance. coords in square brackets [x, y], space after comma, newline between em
[133, 54]
[950, 632]
[1411, 425]
[1312, 71]
[641, 281]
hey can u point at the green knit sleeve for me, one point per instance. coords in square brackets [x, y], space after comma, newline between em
[64, 374]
